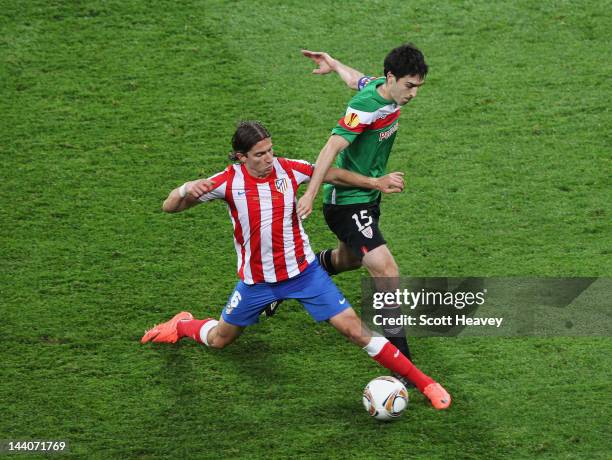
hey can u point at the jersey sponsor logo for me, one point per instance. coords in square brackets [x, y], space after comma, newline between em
[281, 184]
[351, 120]
[387, 134]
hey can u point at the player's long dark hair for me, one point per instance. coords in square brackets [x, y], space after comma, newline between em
[248, 133]
[406, 60]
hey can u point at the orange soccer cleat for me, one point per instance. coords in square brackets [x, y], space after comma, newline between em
[438, 396]
[166, 332]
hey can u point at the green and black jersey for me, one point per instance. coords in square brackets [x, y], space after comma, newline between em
[370, 125]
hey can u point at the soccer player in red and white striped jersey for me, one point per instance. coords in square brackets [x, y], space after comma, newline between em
[275, 261]
[270, 241]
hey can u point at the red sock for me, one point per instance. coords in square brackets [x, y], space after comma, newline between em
[190, 329]
[395, 361]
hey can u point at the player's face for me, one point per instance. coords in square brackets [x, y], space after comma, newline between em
[259, 160]
[403, 90]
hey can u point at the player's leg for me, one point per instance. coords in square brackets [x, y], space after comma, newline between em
[339, 259]
[210, 332]
[339, 219]
[380, 263]
[344, 258]
[350, 325]
[221, 334]
[384, 271]
[357, 227]
[242, 309]
[324, 302]
[388, 355]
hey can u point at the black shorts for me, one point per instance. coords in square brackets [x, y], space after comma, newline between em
[356, 225]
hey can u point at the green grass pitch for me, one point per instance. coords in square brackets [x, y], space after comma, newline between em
[108, 105]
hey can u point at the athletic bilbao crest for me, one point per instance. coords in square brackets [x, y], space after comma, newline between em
[281, 184]
[367, 232]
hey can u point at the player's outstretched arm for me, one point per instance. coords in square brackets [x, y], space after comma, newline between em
[327, 64]
[186, 196]
[391, 183]
[324, 161]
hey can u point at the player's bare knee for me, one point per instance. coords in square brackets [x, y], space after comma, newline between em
[385, 268]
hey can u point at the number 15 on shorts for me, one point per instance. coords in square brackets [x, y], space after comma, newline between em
[362, 220]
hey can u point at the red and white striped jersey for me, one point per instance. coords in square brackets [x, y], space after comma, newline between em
[270, 241]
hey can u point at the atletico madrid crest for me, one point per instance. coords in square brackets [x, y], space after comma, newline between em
[281, 184]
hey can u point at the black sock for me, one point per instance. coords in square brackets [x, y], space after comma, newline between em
[325, 260]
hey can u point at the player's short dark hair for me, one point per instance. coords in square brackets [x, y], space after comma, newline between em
[248, 133]
[405, 60]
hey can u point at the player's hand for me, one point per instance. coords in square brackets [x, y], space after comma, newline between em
[391, 183]
[324, 61]
[304, 206]
[197, 188]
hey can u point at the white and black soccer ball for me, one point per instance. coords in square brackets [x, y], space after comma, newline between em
[385, 398]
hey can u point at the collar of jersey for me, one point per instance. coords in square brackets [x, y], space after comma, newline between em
[376, 83]
[260, 180]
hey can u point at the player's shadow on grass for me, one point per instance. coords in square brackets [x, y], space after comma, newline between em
[251, 360]
[254, 360]
[192, 379]
[178, 373]
[176, 391]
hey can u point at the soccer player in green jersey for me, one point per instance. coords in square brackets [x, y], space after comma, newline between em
[361, 142]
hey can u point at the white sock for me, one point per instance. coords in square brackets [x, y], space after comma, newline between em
[205, 329]
[375, 345]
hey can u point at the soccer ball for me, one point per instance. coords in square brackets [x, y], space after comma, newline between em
[385, 398]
